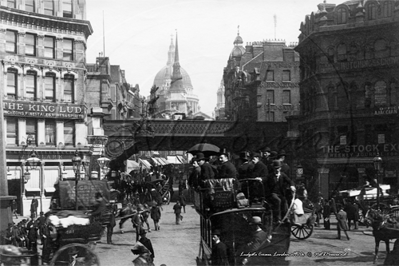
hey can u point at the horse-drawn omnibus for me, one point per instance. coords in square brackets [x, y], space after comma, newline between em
[229, 206]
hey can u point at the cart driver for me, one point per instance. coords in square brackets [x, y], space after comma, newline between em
[99, 208]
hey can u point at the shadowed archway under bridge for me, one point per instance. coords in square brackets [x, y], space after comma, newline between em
[127, 137]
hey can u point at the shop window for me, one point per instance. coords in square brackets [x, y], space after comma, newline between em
[69, 133]
[69, 88]
[270, 116]
[49, 47]
[270, 97]
[11, 41]
[12, 84]
[372, 11]
[67, 46]
[286, 97]
[286, 75]
[30, 85]
[342, 16]
[12, 130]
[30, 5]
[50, 132]
[269, 75]
[12, 3]
[67, 8]
[31, 129]
[49, 7]
[30, 44]
[49, 87]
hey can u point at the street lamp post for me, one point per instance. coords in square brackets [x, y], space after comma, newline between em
[33, 162]
[377, 167]
[76, 162]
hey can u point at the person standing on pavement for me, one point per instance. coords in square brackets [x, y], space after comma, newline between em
[14, 207]
[342, 217]
[326, 215]
[147, 243]
[353, 214]
[182, 200]
[156, 215]
[33, 206]
[219, 250]
[177, 210]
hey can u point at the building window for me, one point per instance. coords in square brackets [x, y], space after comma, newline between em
[50, 132]
[69, 88]
[49, 87]
[372, 11]
[12, 84]
[49, 45]
[342, 16]
[30, 85]
[49, 7]
[286, 75]
[270, 116]
[31, 129]
[269, 75]
[30, 44]
[11, 41]
[67, 8]
[12, 3]
[12, 130]
[341, 52]
[380, 93]
[69, 132]
[286, 97]
[30, 5]
[270, 97]
[387, 8]
[67, 46]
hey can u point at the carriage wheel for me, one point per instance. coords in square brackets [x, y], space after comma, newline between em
[75, 254]
[166, 198]
[301, 232]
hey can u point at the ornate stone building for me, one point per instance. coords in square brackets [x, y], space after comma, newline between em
[43, 54]
[175, 91]
[349, 93]
[220, 102]
[275, 68]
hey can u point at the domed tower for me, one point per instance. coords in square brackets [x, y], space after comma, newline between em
[176, 90]
[238, 50]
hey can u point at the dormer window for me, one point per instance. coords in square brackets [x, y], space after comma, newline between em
[372, 11]
[342, 16]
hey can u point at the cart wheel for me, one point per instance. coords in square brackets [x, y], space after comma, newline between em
[301, 231]
[75, 254]
[166, 198]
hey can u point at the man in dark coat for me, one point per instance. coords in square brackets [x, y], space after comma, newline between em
[219, 250]
[353, 214]
[155, 215]
[276, 189]
[260, 169]
[177, 211]
[206, 169]
[284, 166]
[146, 242]
[246, 166]
[259, 237]
[226, 169]
[99, 208]
[326, 215]
[342, 217]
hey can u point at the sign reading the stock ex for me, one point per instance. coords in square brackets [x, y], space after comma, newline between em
[43, 109]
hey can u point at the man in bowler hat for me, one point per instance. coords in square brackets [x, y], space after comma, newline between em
[285, 168]
[206, 169]
[259, 236]
[219, 250]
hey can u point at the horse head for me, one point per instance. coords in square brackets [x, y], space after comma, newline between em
[375, 218]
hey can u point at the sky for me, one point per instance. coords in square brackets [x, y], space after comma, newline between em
[138, 34]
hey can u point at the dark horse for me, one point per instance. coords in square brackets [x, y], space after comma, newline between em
[381, 232]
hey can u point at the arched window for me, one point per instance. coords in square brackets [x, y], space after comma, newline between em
[342, 16]
[387, 7]
[380, 93]
[372, 11]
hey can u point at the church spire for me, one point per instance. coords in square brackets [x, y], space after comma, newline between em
[171, 52]
[176, 65]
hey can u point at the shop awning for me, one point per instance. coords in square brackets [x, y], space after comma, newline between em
[145, 163]
[49, 190]
[32, 189]
[155, 160]
[175, 160]
[164, 160]
[132, 165]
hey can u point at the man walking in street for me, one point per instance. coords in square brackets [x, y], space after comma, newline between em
[155, 215]
[177, 210]
[33, 207]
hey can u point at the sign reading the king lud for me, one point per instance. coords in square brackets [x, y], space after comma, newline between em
[44, 109]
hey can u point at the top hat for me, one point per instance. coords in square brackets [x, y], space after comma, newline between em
[223, 152]
[273, 154]
[216, 232]
[200, 156]
[276, 164]
[282, 153]
[244, 155]
[267, 149]
[256, 220]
